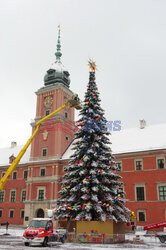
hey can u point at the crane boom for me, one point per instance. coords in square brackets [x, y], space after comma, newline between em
[156, 225]
[74, 102]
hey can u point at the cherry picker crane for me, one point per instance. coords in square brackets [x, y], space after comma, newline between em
[73, 102]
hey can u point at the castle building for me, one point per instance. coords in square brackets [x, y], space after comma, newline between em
[33, 186]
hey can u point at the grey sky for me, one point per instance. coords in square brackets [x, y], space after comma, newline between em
[126, 38]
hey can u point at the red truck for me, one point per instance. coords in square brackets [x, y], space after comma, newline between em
[41, 231]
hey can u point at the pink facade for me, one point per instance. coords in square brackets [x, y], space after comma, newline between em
[56, 133]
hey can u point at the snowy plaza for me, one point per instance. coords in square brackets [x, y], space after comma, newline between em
[14, 241]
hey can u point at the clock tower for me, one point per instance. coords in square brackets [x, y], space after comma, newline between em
[56, 133]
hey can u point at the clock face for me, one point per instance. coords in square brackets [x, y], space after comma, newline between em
[48, 101]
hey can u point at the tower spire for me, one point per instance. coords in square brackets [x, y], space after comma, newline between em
[58, 53]
[57, 72]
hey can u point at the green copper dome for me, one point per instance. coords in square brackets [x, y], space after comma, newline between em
[57, 72]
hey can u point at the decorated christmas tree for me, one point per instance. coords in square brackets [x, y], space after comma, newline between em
[91, 189]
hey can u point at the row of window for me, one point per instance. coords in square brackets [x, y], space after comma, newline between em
[140, 193]
[11, 213]
[47, 112]
[12, 196]
[139, 164]
[14, 174]
[41, 195]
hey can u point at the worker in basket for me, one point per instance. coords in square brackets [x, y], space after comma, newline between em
[75, 101]
[76, 98]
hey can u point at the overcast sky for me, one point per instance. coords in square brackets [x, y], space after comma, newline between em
[126, 38]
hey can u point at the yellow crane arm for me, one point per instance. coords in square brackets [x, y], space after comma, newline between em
[73, 103]
[17, 159]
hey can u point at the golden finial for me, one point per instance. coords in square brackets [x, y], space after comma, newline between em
[59, 28]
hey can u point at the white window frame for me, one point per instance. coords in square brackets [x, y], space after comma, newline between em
[140, 185]
[26, 170]
[160, 184]
[13, 175]
[46, 152]
[141, 160]
[41, 170]
[22, 193]
[13, 213]
[141, 211]
[3, 191]
[21, 210]
[41, 188]
[160, 158]
[11, 194]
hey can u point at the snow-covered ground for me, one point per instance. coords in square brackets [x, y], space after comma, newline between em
[14, 241]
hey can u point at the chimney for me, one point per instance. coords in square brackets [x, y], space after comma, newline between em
[142, 124]
[13, 144]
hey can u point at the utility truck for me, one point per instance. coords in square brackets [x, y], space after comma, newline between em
[160, 235]
[41, 231]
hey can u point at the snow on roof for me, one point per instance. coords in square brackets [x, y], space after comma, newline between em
[5, 153]
[68, 151]
[58, 66]
[151, 137]
[134, 140]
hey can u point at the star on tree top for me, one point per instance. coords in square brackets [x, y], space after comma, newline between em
[92, 65]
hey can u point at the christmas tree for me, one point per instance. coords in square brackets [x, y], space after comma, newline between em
[91, 186]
